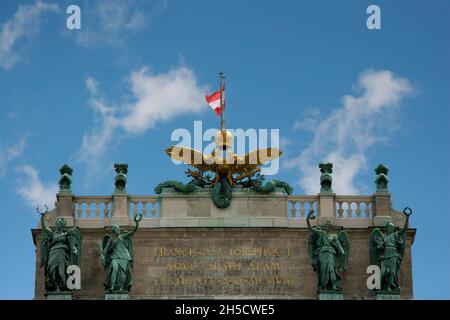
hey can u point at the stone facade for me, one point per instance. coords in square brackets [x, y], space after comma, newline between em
[256, 248]
[226, 263]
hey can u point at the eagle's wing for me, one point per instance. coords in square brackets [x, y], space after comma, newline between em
[190, 156]
[261, 156]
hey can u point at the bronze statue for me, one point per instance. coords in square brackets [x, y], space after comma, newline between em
[328, 255]
[59, 249]
[386, 251]
[117, 258]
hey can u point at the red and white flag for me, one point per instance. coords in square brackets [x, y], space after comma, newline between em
[213, 101]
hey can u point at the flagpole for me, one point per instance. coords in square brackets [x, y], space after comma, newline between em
[222, 120]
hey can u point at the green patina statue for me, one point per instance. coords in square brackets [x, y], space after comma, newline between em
[59, 249]
[381, 179]
[386, 251]
[328, 255]
[65, 180]
[325, 178]
[117, 258]
[120, 181]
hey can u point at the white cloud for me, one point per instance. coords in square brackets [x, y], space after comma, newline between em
[345, 136]
[309, 121]
[10, 153]
[23, 26]
[162, 97]
[110, 22]
[33, 191]
[153, 98]
[92, 86]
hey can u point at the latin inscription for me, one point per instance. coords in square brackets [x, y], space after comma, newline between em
[211, 267]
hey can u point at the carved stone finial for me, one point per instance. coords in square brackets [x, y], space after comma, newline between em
[120, 181]
[381, 179]
[325, 178]
[65, 180]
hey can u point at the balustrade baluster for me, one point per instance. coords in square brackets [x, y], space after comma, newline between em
[358, 210]
[293, 210]
[88, 208]
[340, 210]
[368, 210]
[79, 209]
[106, 210]
[311, 207]
[97, 208]
[349, 209]
[302, 209]
[144, 208]
[153, 209]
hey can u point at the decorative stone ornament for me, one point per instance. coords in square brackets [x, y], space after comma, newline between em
[120, 181]
[325, 178]
[381, 179]
[65, 180]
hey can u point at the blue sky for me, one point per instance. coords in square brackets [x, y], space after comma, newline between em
[116, 89]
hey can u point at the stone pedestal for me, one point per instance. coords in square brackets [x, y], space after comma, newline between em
[331, 296]
[382, 209]
[327, 211]
[388, 296]
[120, 215]
[117, 296]
[65, 208]
[59, 296]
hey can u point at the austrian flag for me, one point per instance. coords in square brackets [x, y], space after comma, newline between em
[214, 101]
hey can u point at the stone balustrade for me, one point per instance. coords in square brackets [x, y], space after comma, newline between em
[354, 207]
[92, 207]
[299, 206]
[148, 206]
[248, 209]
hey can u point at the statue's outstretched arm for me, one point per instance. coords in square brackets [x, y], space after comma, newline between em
[130, 233]
[407, 212]
[43, 226]
[137, 218]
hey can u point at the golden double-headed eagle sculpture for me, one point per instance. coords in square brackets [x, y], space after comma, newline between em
[231, 166]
